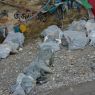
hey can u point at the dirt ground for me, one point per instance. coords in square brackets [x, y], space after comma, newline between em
[87, 88]
[70, 67]
[13, 65]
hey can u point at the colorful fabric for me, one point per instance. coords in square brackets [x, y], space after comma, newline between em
[58, 1]
[86, 4]
[23, 28]
[92, 2]
[16, 29]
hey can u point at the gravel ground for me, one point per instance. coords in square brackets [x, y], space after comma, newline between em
[14, 64]
[87, 88]
[70, 68]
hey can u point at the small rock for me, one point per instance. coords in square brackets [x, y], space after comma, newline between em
[20, 49]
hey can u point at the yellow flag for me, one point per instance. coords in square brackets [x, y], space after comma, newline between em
[23, 28]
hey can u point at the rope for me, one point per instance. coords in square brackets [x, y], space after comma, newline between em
[24, 8]
[39, 10]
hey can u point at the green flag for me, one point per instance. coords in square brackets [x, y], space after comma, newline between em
[86, 4]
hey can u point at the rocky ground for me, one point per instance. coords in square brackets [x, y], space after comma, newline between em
[70, 68]
[14, 64]
[87, 88]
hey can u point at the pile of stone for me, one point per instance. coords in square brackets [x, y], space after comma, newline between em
[13, 41]
[41, 64]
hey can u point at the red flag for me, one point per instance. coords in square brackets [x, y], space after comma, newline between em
[92, 2]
